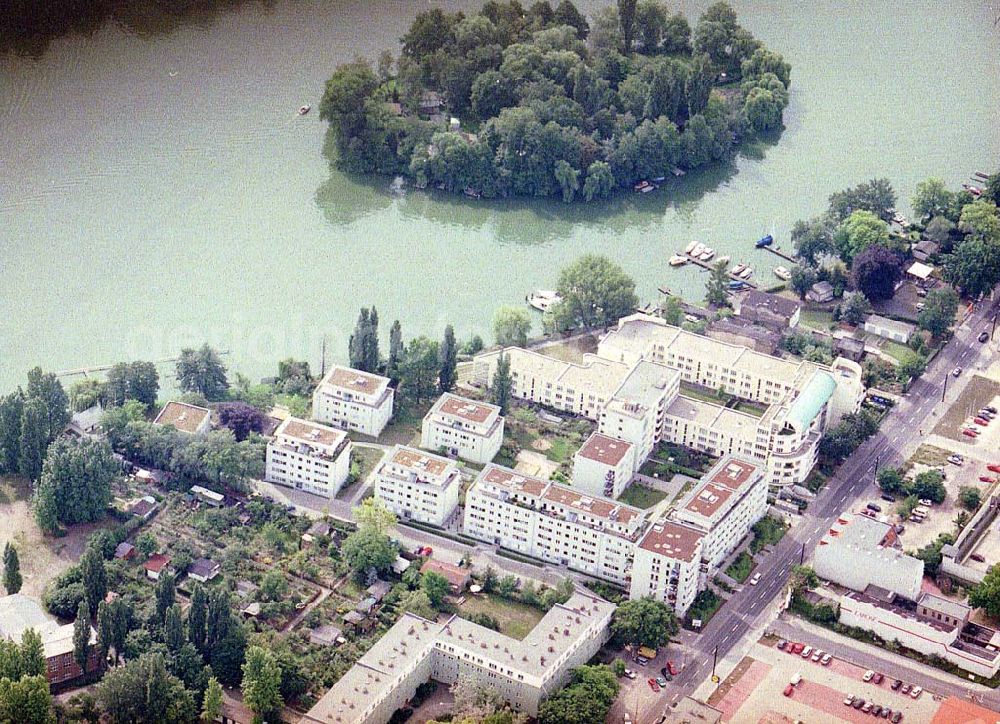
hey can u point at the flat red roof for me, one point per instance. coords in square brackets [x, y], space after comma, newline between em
[513, 480]
[464, 408]
[733, 473]
[604, 449]
[672, 540]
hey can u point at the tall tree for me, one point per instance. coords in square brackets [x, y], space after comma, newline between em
[132, 381]
[363, 344]
[261, 682]
[166, 594]
[447, 360]
[974, 266]
[81, 636]
[45, 386]
[626, 17]
[644, 622]
[11, 410]
[202, 371]
[105, 629]
[717, 286]
[197, 617]
[86, 393]
[94, 577]
[511, 326]
[79, 474]
[33, 440]
[875, 272]
[502, 384]
[859, 231]
[368, 553]
[374, 513]
[26, 700]
[143, 690]
[211, 704]
[32, 654]
[595, 292]
[419, 370]
[173, 628]
[939, 311]
[11, 569]
[121, 615]
[395, 352]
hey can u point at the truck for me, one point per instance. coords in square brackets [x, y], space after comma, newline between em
[646, 652]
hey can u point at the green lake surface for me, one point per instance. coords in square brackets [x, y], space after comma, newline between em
[158, 190]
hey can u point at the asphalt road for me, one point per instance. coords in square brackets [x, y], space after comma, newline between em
[853, 479]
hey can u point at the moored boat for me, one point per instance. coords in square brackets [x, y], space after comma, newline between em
[766, 241]
[782, 273]
[746, 273]
[542, 299]
[678, 260]
[304, 109]
[707, 254]
[698, 250]
[738, 269]
[690, 247]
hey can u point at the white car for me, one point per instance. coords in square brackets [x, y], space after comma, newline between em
[755, 580]
[630, 674]
[868, 675]
[916, 692]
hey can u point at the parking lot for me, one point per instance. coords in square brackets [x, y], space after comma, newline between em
[636, 697]
[979, 392]
[757, 693]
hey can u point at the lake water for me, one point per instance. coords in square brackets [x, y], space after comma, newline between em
[157, 188]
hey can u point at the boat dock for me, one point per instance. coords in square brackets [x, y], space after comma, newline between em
[980, 176]
[94, 369]
[778, 252]
[709, 266]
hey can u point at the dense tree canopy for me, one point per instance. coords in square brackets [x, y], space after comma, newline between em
[76, 478]
[201, 371]
[644, 622]
[545, 113]
[876, 270]
[595, 292]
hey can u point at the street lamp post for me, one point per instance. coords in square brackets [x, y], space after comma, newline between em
[875, 473]
[944, 389]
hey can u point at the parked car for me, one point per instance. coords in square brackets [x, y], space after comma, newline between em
[867, 708]
[876, 710]
[858, 703]
[926, 501]
[789, 689]
[782, 644]
[986, 479]
[796, 679]
[826, 659]
[868, 675]
[886, 713]
[990, 408]
[986, 413]
[984, 336]
[874, 506]
[978, 558]
[849, 700]
[897, 717]
[878, 678]
[905, 689]
[797, 648]
[671, 668]
[627, 719]
[662, 681]
[653, 685]
[970, 433]
[630, 674]
[993, 468]
[981, 421]
[755, 580]
[958, 460]
[641, 660]
[807, 652]
[956, 372]
[917, 691]
[896, 684]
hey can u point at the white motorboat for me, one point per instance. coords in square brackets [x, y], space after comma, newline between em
[678, 260]
[698, 250]
[746, 273]
[690, 247]
[782, 273]
[707, 254]
[542, 299]
[739, 268]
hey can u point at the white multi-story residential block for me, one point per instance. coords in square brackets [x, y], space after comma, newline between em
[419, 486]
[859, 551]
[730, 498]
[603, 466]
[354, 400]
[187, 418]
[797, 400]
[308, 456]
[463, 427]
[414, 650]
[637, 410]
[590, 534]
[668, 565]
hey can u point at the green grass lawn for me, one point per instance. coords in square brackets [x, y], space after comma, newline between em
[404, 428]
[702, 393]
[897, 351]
[739, 570]
[750, 408]
[516, 619]
[816, 319]
[641, 496]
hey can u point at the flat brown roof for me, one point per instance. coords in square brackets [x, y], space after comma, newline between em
[708, 498]
[310, 432]
[183, 416]
[599, 507]
[672, 540]
[464, 408]
[415, 460]
[513, 480]
[354, 380]
[733, 473]
[604, 449]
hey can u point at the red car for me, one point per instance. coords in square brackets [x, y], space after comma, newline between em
[797, 648]
[671, 668]
[970, 433]
[993, 468]
[986, 479]
[653, 685]
[789, 689]
[981, 421]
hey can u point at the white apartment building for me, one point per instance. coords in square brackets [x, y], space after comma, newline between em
[603, 466]
[730, 498]
[308, 456]
[590, 534]
[667, 565]
[415, 650]
[354, 400]
[859, 551]
[468, 429]
[638, 407]
[419, 486]
[798, 399]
